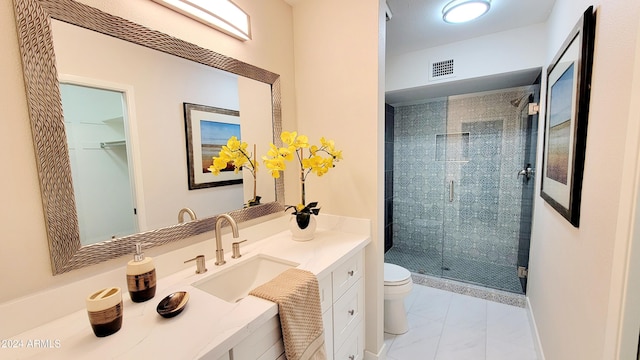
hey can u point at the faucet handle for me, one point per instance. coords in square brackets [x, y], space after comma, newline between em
[235, 247]
[200, 264]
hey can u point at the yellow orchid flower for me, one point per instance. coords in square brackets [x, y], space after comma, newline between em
[219, 164]
[235, 153]
[233, 143]
[327, 143]
[301, 141]
[288, 138]
[313, 162]
[274, 166]
[272, 152]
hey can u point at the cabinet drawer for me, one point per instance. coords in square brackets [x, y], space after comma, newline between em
[210, 356]
[274, 352]
[348, 312]
[353, 347]
[265, 341]
[326, 293]
[347, 274]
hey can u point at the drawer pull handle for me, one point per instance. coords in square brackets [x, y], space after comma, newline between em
[350, 273]
[352, 357]
[351, 312]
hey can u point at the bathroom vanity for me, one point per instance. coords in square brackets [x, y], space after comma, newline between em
[212, 327]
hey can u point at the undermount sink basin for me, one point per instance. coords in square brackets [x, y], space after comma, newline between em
[234, 283]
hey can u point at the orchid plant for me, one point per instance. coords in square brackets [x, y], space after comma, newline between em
[319, 161]
[235, 156]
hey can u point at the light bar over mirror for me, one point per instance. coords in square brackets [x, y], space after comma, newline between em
[222, 15]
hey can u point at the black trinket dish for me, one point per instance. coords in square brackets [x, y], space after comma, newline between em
[173, 304]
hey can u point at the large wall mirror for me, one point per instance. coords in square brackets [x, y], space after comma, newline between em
[153, 86]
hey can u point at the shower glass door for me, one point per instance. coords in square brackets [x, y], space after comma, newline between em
[484, 147]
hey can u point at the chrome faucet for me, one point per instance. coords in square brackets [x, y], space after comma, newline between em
[234, 229]
[181, 213]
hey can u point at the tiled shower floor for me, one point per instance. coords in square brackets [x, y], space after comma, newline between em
[474, 272]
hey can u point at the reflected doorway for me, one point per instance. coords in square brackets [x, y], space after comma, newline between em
[97, 131]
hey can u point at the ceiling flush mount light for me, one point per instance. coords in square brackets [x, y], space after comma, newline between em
[222, 15]
[459, 11]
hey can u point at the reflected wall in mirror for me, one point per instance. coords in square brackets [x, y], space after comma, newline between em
[157, 119]
[34, 19]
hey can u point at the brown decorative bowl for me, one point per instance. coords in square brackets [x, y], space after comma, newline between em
[173, 304]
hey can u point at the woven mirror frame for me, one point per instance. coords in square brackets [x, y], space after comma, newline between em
[33, 18]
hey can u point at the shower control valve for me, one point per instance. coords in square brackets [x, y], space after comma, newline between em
[527, 172]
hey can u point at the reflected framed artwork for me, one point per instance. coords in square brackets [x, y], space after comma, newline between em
[207, 130]
[567, 113]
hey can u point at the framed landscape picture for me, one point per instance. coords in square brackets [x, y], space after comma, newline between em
[567, 112]
[207, 130]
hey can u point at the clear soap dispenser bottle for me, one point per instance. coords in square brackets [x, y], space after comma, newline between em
[141, 276]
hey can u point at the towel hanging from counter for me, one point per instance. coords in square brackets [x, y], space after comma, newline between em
[297, 294]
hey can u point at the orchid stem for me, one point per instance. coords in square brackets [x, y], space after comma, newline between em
[302, 178]
[254, 174]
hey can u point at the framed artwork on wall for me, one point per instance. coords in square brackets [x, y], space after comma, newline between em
[567, 113]
[207, 130]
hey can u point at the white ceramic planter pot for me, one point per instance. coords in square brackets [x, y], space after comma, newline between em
[299, 234]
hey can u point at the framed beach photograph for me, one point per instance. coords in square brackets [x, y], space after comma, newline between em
[567, 113]
[207, 130]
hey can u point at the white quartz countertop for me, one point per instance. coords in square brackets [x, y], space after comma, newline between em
[208, 325]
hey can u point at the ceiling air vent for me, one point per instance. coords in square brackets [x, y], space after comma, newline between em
[441, 70]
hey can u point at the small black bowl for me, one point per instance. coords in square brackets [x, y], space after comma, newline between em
[173, 304]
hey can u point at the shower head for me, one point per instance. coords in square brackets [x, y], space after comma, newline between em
[516, 102]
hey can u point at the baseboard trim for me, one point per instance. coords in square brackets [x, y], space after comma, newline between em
[381, 355]
[534, 331]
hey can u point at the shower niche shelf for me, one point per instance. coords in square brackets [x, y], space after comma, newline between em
[452, 147]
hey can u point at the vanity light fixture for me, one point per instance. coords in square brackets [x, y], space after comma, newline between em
[222, 15]
[460, 11]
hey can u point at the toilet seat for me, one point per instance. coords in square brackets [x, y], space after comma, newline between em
[395, 275]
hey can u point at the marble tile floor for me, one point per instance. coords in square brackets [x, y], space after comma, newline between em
[445, 325]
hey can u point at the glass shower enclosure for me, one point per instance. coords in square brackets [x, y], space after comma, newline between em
[462, 194]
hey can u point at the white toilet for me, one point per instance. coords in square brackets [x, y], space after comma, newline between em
[397, 285]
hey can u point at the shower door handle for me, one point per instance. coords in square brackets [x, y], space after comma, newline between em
[451, 191]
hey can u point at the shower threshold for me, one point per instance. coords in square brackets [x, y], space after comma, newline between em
[481, 292]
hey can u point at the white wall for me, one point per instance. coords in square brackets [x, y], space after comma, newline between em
[339, 53]
[499, 53]
[627, 268]
[24, 260]
[575, 283]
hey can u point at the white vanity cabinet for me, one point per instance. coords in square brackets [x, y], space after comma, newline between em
[265, 343]
[342, 299]
[342, 304]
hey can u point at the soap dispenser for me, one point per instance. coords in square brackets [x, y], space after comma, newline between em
[141, 276]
